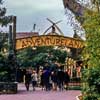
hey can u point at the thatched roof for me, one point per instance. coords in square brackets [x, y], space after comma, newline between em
[26, 34]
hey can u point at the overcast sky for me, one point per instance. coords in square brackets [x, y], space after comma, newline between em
[29, 12]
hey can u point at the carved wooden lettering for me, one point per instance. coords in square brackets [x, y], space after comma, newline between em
[24, 44]
[48, 40]
[38, 42]
[58, 41]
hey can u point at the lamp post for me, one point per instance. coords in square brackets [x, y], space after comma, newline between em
[12, 46]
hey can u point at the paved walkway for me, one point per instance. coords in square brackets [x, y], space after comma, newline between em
[40, 95]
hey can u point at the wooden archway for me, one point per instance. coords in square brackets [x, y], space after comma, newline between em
[48, 40]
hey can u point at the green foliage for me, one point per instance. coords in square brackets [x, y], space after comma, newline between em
[6, 64]
[91, 54]
[94, 77]
[25, 57]
[4, 20]
[3, 42]
[91, 86]
[7, 71]
[1, 60]
[29, 57]
[92, 49]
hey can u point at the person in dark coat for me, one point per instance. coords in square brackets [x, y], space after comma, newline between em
[27, 80]
[54, 80]
[42, 80]
[46, 76]
[66, 80]
[60, 77]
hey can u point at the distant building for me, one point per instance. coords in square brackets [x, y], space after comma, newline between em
[51, 33]
[26, 34]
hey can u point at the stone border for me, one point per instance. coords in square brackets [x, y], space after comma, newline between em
[8, 87]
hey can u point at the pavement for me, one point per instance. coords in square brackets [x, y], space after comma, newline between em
[40, 95]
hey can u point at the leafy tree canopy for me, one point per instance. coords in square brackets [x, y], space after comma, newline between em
[41, 55]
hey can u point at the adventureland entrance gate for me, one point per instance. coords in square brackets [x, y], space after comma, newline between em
[41, 40]
[56, 40]
[48, 40]
[16, 44]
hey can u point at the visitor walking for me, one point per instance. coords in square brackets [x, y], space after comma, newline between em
[60, 79]
[54, 80]
[27, 79]
[66, 79]
[34, 79]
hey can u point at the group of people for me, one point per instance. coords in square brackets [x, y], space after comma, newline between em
[47, 80]
[30, 77]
